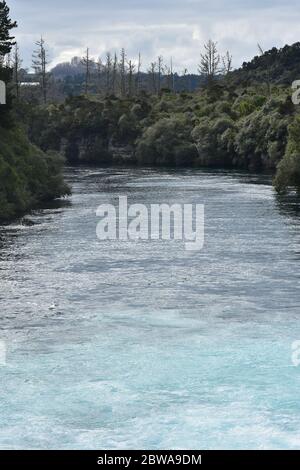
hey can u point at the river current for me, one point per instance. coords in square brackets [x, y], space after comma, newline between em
[145, 345]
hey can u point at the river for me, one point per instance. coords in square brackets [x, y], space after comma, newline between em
[122, 345]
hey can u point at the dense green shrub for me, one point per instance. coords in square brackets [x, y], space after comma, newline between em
[262, 136]
[167, 142]
[240, 128]
[212, 146]
[288, 172]
[27, 175]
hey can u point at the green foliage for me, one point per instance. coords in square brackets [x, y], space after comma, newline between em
[276, 66]
[6, 25]
[244, 120]
[288, 172]
[247, 104]
[262, 136]
[242, 128]
[210, 137]
[166, 143]
[27, 175]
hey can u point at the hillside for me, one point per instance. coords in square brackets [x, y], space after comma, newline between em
[277, 66]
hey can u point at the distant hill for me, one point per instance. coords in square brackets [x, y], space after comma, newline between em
[73, 75]
[279, 66]
[70, 69]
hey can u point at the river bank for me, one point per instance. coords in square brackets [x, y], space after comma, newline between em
[28, 176]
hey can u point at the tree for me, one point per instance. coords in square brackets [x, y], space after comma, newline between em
[131, 70]
[99, 66]
[168, 71]
[6, 44]
[122, 67]
[152, 74]
[17, 63]
[268, 67]
[167, 142]
[227, 63]
[172, 76]
[160, 70]
[114, 74]
[108, 68]
[6, 25]
[7, 60]
[288, 170]
[210, 60]
[40, 63]
[87, 62]
[138, 76]
[185, 79]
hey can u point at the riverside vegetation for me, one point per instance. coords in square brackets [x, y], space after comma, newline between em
[28, 176]
[242, 119]
[243, 128]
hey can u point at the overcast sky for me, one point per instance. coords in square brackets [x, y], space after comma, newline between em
[175, 28]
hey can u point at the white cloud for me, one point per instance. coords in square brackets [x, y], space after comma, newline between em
[155, 27]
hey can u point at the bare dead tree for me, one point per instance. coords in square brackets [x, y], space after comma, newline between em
[87, 62]
[138, 77]
[17, 63]
[261, 51]
[152, 75]
[168, 73]
[122, 67]
[268, 70]
[40, 63]
[8, 60]
[159, 70]
[131, 70]
[114, 73]
[166, 77]
[108, 70]
[210, 60]
[100, 67]
[185, 80]
[227, 63]
[172, 76]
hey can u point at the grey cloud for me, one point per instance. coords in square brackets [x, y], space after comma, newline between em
[167, 27]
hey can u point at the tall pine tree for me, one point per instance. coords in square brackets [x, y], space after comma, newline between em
[6, 25]
[6, 44]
